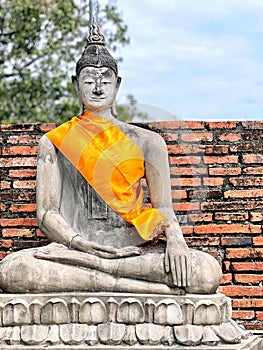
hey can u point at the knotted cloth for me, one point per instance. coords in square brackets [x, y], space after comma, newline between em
[113, 165]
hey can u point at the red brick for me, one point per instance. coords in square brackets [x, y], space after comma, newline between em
[182, 171]
[222, 216]
[18, 222]
[221, 159]
[19, 150]
[187, 230]
[226, 265]
[227, 278]
[248, 278]
[230, 137]
[40, 234]
[200, 217]
[216, 149]
[224, 171]
[17, 127]
[241, 291]
[247, 147]
[227, 229]
[248, 303]
[258, 241]
[27, 208]
[186, 182]
[243, 315]
[244, 253]
[252, 158]
[17, 233]
[221, 125]
[23, 139]
[243, 193]
[186, 206]
[23, 173]
[177, 194]
[259, 315]
[247, 266]
[6, 243]
[170, 136]
[197, 137]
[252, 124]
[47, 127]
[232, 205]
[258, 170]
[18, 162]
[202, 241]
[213, 181]
[176, 124]
[255, 216]
[4, 185]
[2, 255]
[184, 149]
[236, 241]
[24, 184]
[187, 160]
[247, 181]
[3, 207]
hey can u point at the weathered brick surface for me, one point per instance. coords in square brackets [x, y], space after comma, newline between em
[217, 192]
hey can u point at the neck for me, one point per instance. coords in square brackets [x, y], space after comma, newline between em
[105, 113]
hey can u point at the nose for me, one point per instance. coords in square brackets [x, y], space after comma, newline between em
[98, 90]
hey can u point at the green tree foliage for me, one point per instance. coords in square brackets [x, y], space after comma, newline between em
[40, 41]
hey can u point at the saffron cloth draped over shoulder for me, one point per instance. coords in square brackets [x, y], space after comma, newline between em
[113, 165]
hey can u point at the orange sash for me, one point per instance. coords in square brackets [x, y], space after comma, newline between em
[112, 164]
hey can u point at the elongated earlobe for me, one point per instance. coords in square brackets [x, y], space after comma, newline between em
[76, 86]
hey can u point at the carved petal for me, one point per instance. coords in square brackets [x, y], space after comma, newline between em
[130, 311]
[92, 311]
[207, 313]
[188, 334]
[111, 333]
[55, 311]
[149, 333]
[73, 334]
[16, 313]
[168, 312]
[228, 333]
[33, 334]
[209, 337]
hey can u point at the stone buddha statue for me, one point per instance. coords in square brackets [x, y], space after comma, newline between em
[90, 203]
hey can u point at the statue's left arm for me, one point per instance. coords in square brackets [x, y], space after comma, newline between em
[157, 172]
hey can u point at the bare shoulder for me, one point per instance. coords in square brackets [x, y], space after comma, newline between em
[46, 150]
[144, 137]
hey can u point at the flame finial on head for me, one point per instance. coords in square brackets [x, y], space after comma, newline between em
[95, 36]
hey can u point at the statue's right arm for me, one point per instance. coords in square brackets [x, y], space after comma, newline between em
[48, 195]
[50, 221]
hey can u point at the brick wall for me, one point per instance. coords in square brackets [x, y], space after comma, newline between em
[217, 188]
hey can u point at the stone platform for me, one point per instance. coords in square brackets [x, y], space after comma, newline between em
[120, 321]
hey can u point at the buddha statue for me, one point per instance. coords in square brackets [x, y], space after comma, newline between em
[90, 203]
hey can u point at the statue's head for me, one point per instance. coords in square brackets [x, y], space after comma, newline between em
[96, 80]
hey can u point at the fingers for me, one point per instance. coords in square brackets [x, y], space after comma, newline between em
[183, 270]
[179, 270]
[189, 271]
[166, 262]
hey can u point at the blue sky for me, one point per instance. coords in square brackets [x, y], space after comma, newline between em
[193, 59]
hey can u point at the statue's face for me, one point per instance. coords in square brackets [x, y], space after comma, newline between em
[97, 88]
